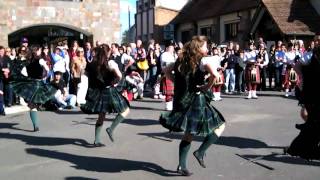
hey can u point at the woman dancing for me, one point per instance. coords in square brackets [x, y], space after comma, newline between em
[102, 96]
[192, 112]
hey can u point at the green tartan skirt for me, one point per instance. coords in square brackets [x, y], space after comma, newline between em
[122, 85]
[33, 90]
[107, 100]
[195, 115]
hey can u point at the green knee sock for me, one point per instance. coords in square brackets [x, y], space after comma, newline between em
[97, 133]
[184, 148]
[208, 140]
[34, 118]
[116, 121]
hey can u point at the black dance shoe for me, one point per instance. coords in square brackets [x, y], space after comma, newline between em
[110, 134]
[300, 126]
[98, 144]
[183, 172]
[199, 159]
[36, 129]
[285, 150]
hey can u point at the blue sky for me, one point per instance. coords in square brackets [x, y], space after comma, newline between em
[124, 4]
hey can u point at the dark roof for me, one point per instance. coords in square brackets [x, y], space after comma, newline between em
[294, 17]
[202, 9]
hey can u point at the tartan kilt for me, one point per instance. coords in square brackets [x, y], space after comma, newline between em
[122, 85]
[33, 90]
[248, 74]
[196, 116]
[168, 87]
[218, 81]
[287, 80]
[107, 100]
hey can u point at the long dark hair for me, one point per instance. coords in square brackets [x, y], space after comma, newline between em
[191, 55]
[102, 56]
[33, 55]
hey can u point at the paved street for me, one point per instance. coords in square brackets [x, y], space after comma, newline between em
[250, 148]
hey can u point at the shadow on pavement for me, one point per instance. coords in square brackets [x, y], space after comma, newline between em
[12, 126]
[238, 142]
[145, 108]
[150, 100]
[78, 178]
[141, 122]
[45, 141]
[282, 158]
[136, 122]
[99, 164]
[66, 112]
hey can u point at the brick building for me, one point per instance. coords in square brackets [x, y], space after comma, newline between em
[153, 19]
[53, 21]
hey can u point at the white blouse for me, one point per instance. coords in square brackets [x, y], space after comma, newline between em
[212, 60]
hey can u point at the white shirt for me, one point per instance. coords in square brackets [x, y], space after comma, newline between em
[166, 59]
[212, 60]
[112, 65]
[250, 56]
[290, 57]
[125, 58]
[306, 58]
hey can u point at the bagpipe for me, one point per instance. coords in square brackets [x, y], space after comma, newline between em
[293, 76]
[253, 74]
[220, 79]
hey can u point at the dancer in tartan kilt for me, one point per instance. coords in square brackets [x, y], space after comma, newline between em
[307, 144]
[103, 96]
[30, 85]
[192, 112]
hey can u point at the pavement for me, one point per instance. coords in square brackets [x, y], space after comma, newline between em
[249, 149]
[16, 109]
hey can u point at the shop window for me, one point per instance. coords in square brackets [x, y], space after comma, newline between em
[231, 30]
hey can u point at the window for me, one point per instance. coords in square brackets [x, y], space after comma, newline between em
[146, 5]
[185, 36]
[206, 31]
[231, 30]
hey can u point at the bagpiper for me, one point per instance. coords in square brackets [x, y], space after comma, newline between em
[252, 73]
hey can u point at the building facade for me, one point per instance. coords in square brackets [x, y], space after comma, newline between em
[298, 19]
[219, 20]
[242, 20]
[52, 21]
[153, 19]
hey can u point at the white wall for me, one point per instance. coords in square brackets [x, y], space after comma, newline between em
[171, 4]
